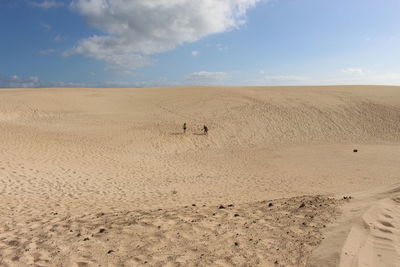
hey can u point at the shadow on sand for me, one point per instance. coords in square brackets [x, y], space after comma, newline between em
[185, 134]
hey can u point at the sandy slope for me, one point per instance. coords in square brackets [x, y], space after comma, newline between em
[366, 234]
[83, 152]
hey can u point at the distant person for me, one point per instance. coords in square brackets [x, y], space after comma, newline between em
[184, 127]
[205, 129]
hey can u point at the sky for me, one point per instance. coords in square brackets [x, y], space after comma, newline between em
[145, 43]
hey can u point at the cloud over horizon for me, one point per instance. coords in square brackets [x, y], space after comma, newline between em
[207, 78]
[136, 29]
[46, 4]
[16, 81]
[352, 71]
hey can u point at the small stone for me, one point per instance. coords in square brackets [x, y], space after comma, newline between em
[110, 251]
[270, 205]
[236, 243]
[221, 207]
[193, 205]
[355, 150]
[86, 239]
[102, 230]
[231, 205]
[302, 205]
[236, 215]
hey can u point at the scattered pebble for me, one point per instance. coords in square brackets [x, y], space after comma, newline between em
[221, 207]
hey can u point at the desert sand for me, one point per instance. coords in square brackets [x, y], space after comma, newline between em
[106, 177]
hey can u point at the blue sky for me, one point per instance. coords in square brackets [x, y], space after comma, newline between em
[135, 43]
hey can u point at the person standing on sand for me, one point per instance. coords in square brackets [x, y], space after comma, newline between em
[205, 129]
[184, 127]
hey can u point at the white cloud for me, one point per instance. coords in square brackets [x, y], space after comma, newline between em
[46, 27]
[370, 78]
[219, 47]
[46, 4]
[195, 53]
[137, 29]
[288, 78]
[47, 51]
[352, 71]
[32, 82]
[18, 82]
[207, 78]
[367, 78]
[222, 47]
[59, 38]
[280, 80]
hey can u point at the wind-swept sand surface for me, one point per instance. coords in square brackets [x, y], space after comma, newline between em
[92, 177]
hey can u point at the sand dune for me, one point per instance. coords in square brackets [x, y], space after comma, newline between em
[67, 155]
[366, 234]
